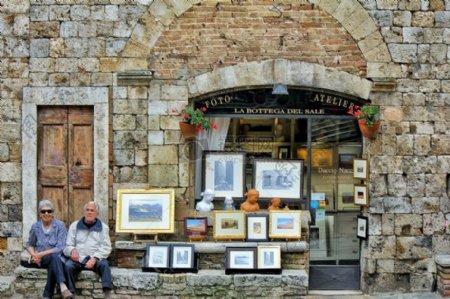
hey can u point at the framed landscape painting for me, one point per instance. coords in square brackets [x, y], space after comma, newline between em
[278, 178]
[229, 225]
[285, 224]
[145, 211]
[242, 258]
[257, 225]
[223, 172]
[195, 226]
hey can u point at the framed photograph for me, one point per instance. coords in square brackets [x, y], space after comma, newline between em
[362, 227]
[157, 256]
[241, 258]
[145, 211]
[269, 257]
[229, 225]
[257, 225]
[346, 197]
[182, 256]
[360, 169]
[346, 160]
[360, 195]
[224, 173]
[195, 226]
[285, 224]
[278, 178]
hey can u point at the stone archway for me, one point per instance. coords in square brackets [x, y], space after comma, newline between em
[350, 14]
[269, 72]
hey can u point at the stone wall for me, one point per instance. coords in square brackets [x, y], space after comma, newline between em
[195, 47]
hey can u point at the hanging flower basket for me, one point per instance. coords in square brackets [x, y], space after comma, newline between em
[187, 130]
[368, 132]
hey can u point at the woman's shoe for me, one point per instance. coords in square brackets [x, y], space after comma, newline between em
[67, 294]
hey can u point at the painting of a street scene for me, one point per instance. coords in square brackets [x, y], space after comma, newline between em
[145, 211]
[279, 180]
[223, 175]
[285, 223]
[228, 223]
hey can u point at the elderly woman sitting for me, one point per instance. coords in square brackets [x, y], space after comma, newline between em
[45, 244]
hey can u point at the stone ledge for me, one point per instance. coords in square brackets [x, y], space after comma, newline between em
[187, 285]
[6, 283]
[220, 247]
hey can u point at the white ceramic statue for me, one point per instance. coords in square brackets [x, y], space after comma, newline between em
[206, 205]
[228, 201]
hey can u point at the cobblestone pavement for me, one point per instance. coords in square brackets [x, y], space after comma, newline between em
[378, 296]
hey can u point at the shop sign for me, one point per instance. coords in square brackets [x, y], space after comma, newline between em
[263, 102]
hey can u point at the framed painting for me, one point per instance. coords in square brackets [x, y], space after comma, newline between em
[223, 172]
[182, 256]
[346, 160]
[145, 211]
[360, 195]
[285, 224]
[360, 169]
[157, 256]
[195, 226]
[269, 257]
[229, 225]
[257, 227]
[346, 196]
[321, 157]
[278, 178]
[241, 258]
[362, 227]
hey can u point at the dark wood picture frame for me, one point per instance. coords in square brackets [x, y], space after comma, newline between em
[346, 160]
[157, 256]
[195, 226]
[362, 227]
[180, 260]
[241, 259]
[252, 234]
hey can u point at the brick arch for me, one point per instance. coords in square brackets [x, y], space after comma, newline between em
[269, 72]
[349, 14]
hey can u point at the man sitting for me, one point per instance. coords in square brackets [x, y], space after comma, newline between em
[88, 246]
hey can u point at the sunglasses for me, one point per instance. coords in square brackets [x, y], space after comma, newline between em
[46, 211]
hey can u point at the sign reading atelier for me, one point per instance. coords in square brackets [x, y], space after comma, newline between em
[262, 101]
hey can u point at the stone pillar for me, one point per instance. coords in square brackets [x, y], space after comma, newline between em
[443, 274]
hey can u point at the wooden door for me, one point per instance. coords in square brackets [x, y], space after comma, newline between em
[66, 159]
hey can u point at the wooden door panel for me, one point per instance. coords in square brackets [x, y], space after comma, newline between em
[78, 198]
[55, 195]
[66, 159]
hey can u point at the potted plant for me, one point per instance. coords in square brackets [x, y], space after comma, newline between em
[193, 121]
[368, 119]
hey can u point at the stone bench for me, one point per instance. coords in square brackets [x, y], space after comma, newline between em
[133, 283]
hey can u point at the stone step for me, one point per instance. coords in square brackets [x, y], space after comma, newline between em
[6, 283]
[215, 283]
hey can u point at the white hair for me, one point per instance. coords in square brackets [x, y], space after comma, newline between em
[45, 203]
[97, 207]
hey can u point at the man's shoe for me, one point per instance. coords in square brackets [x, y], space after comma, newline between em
[107, 293]
[67, 294]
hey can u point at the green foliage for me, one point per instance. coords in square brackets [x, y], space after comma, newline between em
[367, 115]
[196, 117]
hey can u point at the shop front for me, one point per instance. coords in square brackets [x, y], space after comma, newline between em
[293, 125]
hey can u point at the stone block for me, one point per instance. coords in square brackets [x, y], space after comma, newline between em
[376, 205]
[129, 139]
[163, 176]
[385, 265]
[399, 205]
[153, 122]
[387, 224]
[435, 184]
[414, 247]
[433, 223]
[408, 225]
[402, 18]
[438, 53]
[140, 157]
[123, 157]
[155, 137]
[170, 122]
[163, 154]
[382, 246]
[4, 152]
[79, 12]
[157, 108]
[413, 35]
[422, 144]
[59, 13]
[174, 93]
[242, 280]
[172, 137]
[442, 18]
[39, 47]
[425, 205]
[396, 184]
[375, 225]
[433, 35]
[423, 19]
[382, 18]
[405, 144]
[403, 53]
[69, 29]
[10, 172]
[10, 229]
[409, 5]
[422, 282]
[124, 122]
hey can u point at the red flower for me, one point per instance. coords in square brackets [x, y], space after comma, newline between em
[362, 121]
[203, 109]
[174, 110]
[356, 107]
[186, 115]
[199, 129]
[214, 126]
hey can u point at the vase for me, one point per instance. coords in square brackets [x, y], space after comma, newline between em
[187, 130]
[369, 132]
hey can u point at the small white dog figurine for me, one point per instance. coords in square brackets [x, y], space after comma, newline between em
[206, 205]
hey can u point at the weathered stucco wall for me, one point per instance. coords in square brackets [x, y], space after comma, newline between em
[195, 46]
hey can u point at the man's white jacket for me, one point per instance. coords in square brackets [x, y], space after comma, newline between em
[93, 241]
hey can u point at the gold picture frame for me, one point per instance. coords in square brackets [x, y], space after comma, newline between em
[145, 211]
[360, 169]
[269, 257]
[285, 224]
[229, 225]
